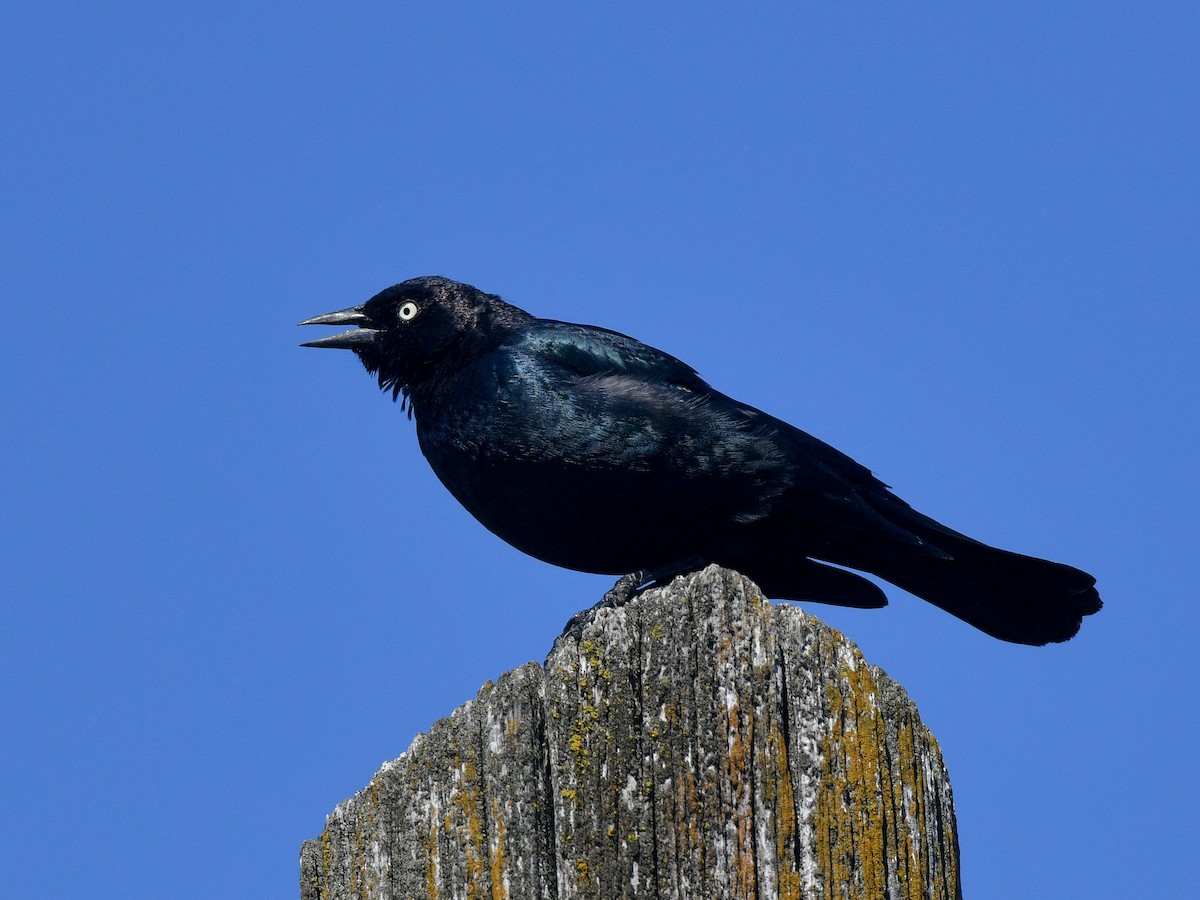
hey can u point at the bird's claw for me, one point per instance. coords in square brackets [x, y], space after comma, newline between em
[626, 588]
[618, 595]
[621, 592]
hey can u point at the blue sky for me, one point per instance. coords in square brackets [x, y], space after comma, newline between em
[958, 241]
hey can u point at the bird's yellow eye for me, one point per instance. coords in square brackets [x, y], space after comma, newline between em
[408, 311]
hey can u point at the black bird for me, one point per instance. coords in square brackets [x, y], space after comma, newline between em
[588, 449]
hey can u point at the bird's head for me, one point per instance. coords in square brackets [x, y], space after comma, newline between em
[404, 332]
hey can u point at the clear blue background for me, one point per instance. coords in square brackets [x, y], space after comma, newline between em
[958, 241]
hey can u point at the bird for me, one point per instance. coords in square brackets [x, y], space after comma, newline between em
[590, 450]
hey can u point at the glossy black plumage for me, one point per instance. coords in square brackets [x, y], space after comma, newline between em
[590, 450]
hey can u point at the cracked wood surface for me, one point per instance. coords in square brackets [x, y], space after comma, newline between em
[696, 743]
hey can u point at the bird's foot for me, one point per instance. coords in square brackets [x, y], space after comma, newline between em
[626, 588]
[622, 592]
[618, 595]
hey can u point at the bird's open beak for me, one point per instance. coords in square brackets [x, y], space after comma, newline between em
[353, 339]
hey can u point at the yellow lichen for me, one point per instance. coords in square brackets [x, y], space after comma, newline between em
[326, 860]
[780, 795]
[467, 798]
[499, 860]
[431, 862]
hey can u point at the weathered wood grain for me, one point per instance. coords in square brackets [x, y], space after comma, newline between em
[696, 743]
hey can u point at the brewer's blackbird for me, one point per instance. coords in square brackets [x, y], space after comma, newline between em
[588, 449]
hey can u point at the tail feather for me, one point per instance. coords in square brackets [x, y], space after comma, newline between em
[786, 579]
[1010, 596]
[1013, 597]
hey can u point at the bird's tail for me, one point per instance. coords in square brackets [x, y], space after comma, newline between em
[1010, 596]
[1013, 597]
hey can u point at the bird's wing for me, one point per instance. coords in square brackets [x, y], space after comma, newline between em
[641, 377]
[630, 408]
